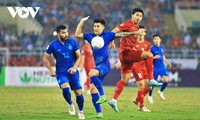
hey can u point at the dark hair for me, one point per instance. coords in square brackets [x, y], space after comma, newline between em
[156, 35]
[100, 20]
[60, 27]
[141, 26]
[138, 10]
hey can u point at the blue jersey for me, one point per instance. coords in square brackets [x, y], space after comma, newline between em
[158, 50]
[64, 54]
[100, 55]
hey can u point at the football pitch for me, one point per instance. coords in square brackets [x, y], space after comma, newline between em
[47, 103]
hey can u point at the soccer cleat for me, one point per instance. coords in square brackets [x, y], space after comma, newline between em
[99, 115]
[162, 97]
[72, 109]
[135, 101]
[113, 105]
[154, 83]
[150, 99]
[144, 109]
[81, 115]
[101, 100]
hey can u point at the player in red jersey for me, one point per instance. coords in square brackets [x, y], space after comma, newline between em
[128, 54]
[140, 72]
[87, 62]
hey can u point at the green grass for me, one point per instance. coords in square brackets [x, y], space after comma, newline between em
[47, 103]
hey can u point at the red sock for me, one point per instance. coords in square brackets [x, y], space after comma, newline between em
[149, 64]
[87, 83]
[140, 98]
[119, 88]
[145, 91]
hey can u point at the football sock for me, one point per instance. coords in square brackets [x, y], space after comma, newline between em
[80, 102]
[163, 86]
[87, 83]
[97, 82]
[95, 98]
[151, 91]
[140, 98]
[145, 91]
[149, 64]
[67, 95]
[118, 89]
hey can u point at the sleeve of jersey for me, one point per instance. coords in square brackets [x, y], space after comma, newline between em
[112, 36]
[87, 37]
[49, 49]
[122, 27]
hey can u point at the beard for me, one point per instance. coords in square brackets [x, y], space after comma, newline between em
[63, 39]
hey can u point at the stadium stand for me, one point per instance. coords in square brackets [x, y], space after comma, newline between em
[27, 48]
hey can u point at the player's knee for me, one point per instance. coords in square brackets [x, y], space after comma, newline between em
[93, 73]
[165, 79]
[93, 89]
[78, 92]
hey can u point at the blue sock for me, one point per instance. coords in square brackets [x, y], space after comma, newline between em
[163, 86]
[67, 95]
[151, 91]
[97, 82]
[95, 98]
[80, 102]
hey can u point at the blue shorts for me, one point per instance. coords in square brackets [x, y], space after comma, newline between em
[72, 79]
[160, 71]
[103, 68]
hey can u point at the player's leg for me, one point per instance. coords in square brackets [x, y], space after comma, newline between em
[87, 82]
[165, 79]
[148, 57]
[76, 87]
[126, 69]
[142, 91]
[97, 75]
[95, 97]
[64, 85]
[150, 96]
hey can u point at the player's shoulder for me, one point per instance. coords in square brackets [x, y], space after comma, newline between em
[128, 22]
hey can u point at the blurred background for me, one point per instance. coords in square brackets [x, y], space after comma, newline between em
[23, 40]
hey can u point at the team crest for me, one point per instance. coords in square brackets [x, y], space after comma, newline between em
[70, 47]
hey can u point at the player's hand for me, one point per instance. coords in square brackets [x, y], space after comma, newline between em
[112, 45]
[156, 57]
[72, 70]
[118, 65]
[85, 18]
[141, 30]
[169, 64]
[52, 73]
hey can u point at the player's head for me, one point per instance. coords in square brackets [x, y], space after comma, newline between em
[137, 15]
[142, 34]
[156, 39]
[62, 32]
[99, 25]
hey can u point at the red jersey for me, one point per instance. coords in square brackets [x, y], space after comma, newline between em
[129, 41]
[89, 60]
[139, 68]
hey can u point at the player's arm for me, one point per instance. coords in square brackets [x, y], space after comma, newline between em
[79, 32]
[78, 59]
[166, 61]
[46, 58]
[125, 34]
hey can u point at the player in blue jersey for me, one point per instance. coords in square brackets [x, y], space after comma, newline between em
[67, 55]
[159, 66]
[102, 65]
